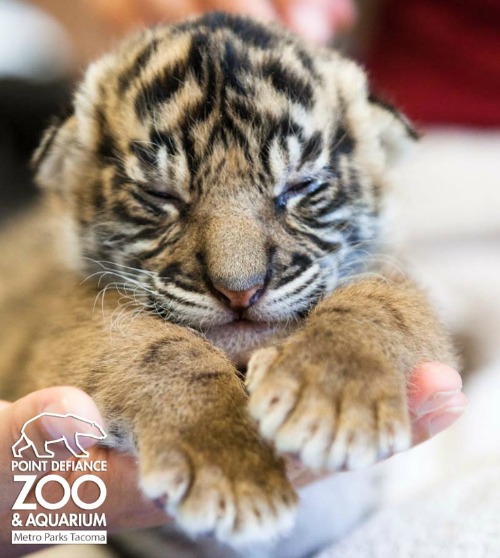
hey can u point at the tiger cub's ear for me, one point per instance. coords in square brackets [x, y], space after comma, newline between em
[394, 130]
[54, 154]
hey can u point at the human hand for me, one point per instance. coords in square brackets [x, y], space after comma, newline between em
[435, 401]
[94, 25]
[125, 506]
[316, 20]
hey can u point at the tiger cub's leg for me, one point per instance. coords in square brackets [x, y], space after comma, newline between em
[181, 406]
[335, 392]
[199, 448]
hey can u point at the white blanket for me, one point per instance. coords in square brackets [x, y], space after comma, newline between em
[457, 520]
[458, 515]
[443, 499]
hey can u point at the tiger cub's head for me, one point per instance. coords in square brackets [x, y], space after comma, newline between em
[225, 171]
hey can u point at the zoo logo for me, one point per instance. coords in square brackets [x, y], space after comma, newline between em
[86, 428]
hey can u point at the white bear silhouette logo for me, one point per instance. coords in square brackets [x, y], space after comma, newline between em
[86, 427]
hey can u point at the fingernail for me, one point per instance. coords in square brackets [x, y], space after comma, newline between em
[436, 402]
[310, 21]
[52, 425]
[71, 421]
[446, 419]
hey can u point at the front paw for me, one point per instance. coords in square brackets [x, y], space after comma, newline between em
[231, 486]
[336, 413]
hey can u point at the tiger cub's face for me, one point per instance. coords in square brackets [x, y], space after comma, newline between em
[227, 173]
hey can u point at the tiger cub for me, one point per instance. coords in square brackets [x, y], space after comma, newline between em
[219, 184]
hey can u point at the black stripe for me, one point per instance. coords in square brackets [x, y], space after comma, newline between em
[146, 233]
[285, 279]
[120, 210]
[232, 128]
[324, 245]
[142, 198]
[47, 141]
[191, 157]
[160, 90]
[302, 287]
[188, 287]
[107, 148]
[232, 65]
[195, 56]
[162, 245]
[311, 198]
[300, 262]
[307, 62]
[243, 110]
[169, 272]
[300, 259]
[410, 130]
[340, 199]
[144, 152]
[265, 152]
[148, 254]
[98, 200]
[312, 148]
[343, 226]
[205, 107]
[288, 83]
[271, 251]
[125, 78]
[288, 127]
[182, 302]
[160, 139]
[249, 31]
[313, 222]
[282, 128]
[341, 143]
[170, 275]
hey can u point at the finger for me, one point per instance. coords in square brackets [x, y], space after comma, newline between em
[317, 20]
[309, 19]
[435, 403]
[435, 399]
[120, 16]
[431, 385]
[124, 508]
[343, 13]
[433, 423]
[29, 423]
[259, 9]
[125, 505]
[163, 11]
[4, 405]
[126, 15]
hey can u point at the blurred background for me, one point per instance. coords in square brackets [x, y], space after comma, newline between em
[438, 60]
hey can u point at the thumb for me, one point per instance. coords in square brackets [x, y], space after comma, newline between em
[54, 401]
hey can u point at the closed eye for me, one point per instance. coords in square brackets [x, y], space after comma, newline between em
[161, 195]
[154, 199]
[297, 189]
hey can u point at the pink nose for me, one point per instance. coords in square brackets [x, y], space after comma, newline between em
[241, 299]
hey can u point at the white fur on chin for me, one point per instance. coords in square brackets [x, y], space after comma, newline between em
[240, 339]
